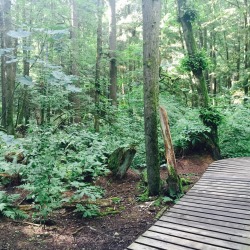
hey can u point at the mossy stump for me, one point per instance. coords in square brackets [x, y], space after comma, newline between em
[120, 161]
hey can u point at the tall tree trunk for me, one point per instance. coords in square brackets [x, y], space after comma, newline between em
[98, 66]
[192, 51]
[151, 22]
[3, 78]
[74, 97]
[8, 70]
[112, 54]
[247, 45]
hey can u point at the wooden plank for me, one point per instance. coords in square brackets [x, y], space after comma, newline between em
[211, 221]
[225, 182]
[215, 202]
[234, 165]
[211, 207]
[181, 241]
[220, 193]
[218, 196]
[228, 171]
[202, 236]
[228, 175]
[208, 210]
[238, 162]
[223, 189]
[215, 216]
[232, 179]
[225, 166]
[160, 244]
[224, 177]
[137, 246]
[242, 235]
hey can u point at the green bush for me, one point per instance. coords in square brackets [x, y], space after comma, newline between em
[234, 132]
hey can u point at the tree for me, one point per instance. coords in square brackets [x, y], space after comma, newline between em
[112, 54]
[195, 59]
[8, 69]
[98, 64]
[151, 10]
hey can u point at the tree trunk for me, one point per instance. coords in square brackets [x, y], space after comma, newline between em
[173, 180]
[112, 54]
[98, 66]
[246, 50]
[151, 22]
[3, 78]
[8, 70]
[192, 51]
[74, 97]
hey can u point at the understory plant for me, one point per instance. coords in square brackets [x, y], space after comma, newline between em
[8, 208]
[234, 132]
[69, 160]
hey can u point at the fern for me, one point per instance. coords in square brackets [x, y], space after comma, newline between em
[7, 207]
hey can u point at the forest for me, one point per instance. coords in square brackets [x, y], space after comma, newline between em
[84, 84]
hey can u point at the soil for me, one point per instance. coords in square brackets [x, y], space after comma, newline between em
[114, 231]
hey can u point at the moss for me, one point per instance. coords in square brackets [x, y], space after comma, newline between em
[197, 62]
[175, 189]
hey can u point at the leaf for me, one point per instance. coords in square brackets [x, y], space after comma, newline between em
[58, 75]
[6, 50]
[18, 33]
[55, 32]
[167, 199]
[73, 88]
[12, 61]
[9, 213]
[2, 206]
[25, 80]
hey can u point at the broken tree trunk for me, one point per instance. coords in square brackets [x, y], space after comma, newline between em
[120, 161]
[173, 180]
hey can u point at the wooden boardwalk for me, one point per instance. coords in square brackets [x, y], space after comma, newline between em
[214, 214]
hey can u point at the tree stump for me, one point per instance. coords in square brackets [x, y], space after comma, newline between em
[120, 161]
[173, 180]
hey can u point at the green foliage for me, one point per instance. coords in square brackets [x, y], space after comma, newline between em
[143, 196]
[234, 132]
[7, 207]
[190, 15]
[87, 211]
[68, 160]
[211, 117]
[189, 132]
[197, 62]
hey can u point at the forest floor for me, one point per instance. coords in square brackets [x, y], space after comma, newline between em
[113, 231]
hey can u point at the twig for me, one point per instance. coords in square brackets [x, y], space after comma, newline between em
[27, 223]
[78, 230]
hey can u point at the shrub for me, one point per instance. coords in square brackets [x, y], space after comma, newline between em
[234, 132]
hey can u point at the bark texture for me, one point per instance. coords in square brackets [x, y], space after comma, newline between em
[173, 180]
[8, 70]
[191, 46]
[112, 54]
[151, 22]
[98, 66]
